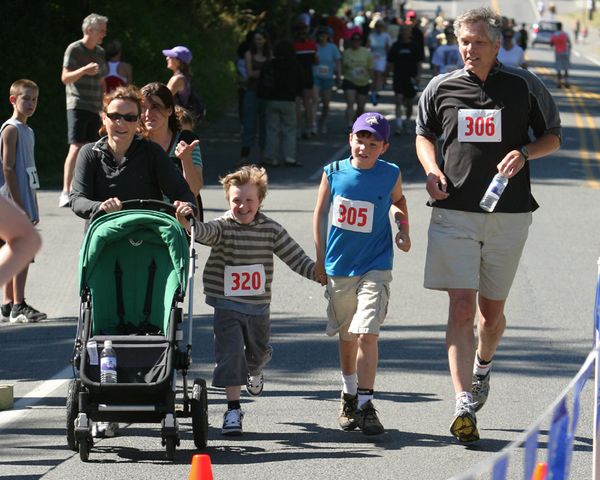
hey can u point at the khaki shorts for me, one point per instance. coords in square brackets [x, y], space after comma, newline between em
[478, 251]
[357, 304]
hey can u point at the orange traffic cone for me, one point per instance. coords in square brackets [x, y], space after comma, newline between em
[541, 469]
[201, 468]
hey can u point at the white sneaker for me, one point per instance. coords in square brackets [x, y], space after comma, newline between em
[232, 422]
[63, 200]
[105, 429]
[255, 384]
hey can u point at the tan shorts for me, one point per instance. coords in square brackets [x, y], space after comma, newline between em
[477, 251]
[357, 304]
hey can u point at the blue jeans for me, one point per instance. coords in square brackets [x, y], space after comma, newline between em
[253, 120]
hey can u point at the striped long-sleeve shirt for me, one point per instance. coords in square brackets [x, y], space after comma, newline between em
[235, 244]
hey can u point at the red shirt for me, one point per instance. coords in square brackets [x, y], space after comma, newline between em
[560, 42]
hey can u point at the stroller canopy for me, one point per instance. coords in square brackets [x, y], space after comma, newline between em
[133, 262]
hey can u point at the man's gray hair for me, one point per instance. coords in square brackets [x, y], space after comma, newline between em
[492, 21]
[92, 21]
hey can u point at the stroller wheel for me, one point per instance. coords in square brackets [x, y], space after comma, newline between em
[199, 403]
[72, 411]
[170, 444]
[84, 449]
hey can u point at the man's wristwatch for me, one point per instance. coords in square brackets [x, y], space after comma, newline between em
[525, 152]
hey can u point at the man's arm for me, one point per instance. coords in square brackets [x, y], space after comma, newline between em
[514, 160]
[71, 76]
[10, 136]
[320, 227]
[436, 181]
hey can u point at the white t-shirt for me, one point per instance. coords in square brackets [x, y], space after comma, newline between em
[514, 57]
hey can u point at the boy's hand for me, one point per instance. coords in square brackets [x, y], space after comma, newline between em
[182, 211]
[320, 274]
[403, 241]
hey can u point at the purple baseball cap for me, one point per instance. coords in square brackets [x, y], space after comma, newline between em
[180, 53]
[374, 123]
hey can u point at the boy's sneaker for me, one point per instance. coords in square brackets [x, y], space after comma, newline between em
[5, 312]
[347, 418]
[367, 420]
[480, 390]
[105, 429]
[23, 313]
[232, 422]
[255, 384]
[464, 426]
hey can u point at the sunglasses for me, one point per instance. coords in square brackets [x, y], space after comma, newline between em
[128, 117]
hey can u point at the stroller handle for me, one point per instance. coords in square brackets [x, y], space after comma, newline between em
[145, 204]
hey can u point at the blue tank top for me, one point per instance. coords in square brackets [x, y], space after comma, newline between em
[360, 237]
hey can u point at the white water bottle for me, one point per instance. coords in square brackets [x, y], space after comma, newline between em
[108, 363]
[493, 192]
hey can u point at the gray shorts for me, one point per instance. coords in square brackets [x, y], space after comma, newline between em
[478, 251]
[357, 304]
[241, 346]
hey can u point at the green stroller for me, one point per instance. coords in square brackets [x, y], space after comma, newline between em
[135, 266]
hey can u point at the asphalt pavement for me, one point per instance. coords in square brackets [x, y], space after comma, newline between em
[291, 430]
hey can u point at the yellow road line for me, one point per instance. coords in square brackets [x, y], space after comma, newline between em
[576, 98]
[495, 6]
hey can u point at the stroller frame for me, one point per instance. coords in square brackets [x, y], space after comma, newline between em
[145, 395]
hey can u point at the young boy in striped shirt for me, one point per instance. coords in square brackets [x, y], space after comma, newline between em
[237, 283]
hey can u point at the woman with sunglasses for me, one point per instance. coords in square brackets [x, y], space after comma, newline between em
[162, 126]
[123, 165]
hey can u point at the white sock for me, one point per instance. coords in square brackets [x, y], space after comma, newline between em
[465, 397]
[350, 383]
[363, 397]
[481, 368]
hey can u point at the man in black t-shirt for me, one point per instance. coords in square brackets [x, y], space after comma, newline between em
[483, 112]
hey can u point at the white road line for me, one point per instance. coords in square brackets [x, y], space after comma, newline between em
[336, 156]
[22, 406]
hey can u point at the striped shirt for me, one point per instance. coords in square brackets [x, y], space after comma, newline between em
[85, 93]
[234, 244]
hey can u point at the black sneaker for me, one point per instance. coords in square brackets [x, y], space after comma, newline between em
[367, 420]
[347, 419]
[5, 312]
[23, 313]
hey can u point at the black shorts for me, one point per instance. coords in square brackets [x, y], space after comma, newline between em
[348, 85]
[83, 126]
[404, 86]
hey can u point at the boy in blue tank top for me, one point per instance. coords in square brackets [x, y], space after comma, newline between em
[357, 259]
